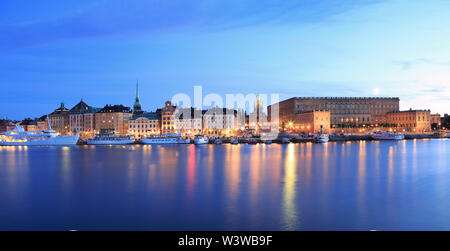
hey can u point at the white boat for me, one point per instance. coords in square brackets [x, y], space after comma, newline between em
[20, 137]
[321, 137]
[201, 140]
[388, 136]
[234, 141]
[110, 139]
[218, 141]
[252, 141]
[285, 141]
[168, 139]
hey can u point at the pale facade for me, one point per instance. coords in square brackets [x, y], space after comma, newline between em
[411, 121]
[144, 125]
[188, 121]
[220, 121]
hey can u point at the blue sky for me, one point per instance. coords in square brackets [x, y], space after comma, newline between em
[53, 51]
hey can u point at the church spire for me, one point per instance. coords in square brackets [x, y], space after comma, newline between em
[137, 108]
[137, 89]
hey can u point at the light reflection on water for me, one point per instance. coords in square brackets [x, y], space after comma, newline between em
[334, 186]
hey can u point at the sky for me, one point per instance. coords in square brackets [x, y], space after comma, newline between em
[96, 50]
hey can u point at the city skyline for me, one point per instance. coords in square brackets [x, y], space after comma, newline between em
[95, 50]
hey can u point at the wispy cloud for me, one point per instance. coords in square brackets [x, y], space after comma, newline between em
[117, 17]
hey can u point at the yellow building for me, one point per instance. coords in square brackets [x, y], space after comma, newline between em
[411, 120]
[113, 119]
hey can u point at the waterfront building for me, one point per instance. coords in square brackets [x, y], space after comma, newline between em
[188, 121]
[220, 121]
[144, 125]
[3, 125]
[411, 120]
[42, 123]
[82, 120]
[436, 119]
[167, 118]
[137, 107]
[344, 110]
[59, 120]
[113, 119]
[310, 122]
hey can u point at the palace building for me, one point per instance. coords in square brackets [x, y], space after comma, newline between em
[343, 110]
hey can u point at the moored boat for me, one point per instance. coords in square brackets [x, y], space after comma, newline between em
[110, 139]
[387, 136]
[234, 141]
[218, 141]
[252, 141]
[20, 137]
[167, 139]
[321, 137]
[201, 140]
[285, 141]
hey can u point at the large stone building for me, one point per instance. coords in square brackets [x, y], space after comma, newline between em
[59, 120]
[310, 122]
[144, 125]
[113, 119]
[411, 120]
[344, 111]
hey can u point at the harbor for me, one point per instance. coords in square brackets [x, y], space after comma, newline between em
[355, 185]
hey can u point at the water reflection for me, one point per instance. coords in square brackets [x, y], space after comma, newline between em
[331, 186]
[290, 220]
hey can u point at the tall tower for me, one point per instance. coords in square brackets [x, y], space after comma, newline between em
[137, 108]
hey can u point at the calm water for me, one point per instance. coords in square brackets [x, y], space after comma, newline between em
[337, 186]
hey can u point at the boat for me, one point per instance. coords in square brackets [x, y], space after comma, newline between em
[110, 139]
[20, 137]
[387, 136]
[321, 137]
[267, 142]
[201, 140]
[169, 138]
[234, 141]
[285, 141]
[440, 135]
[252, 141]
[218, 141]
